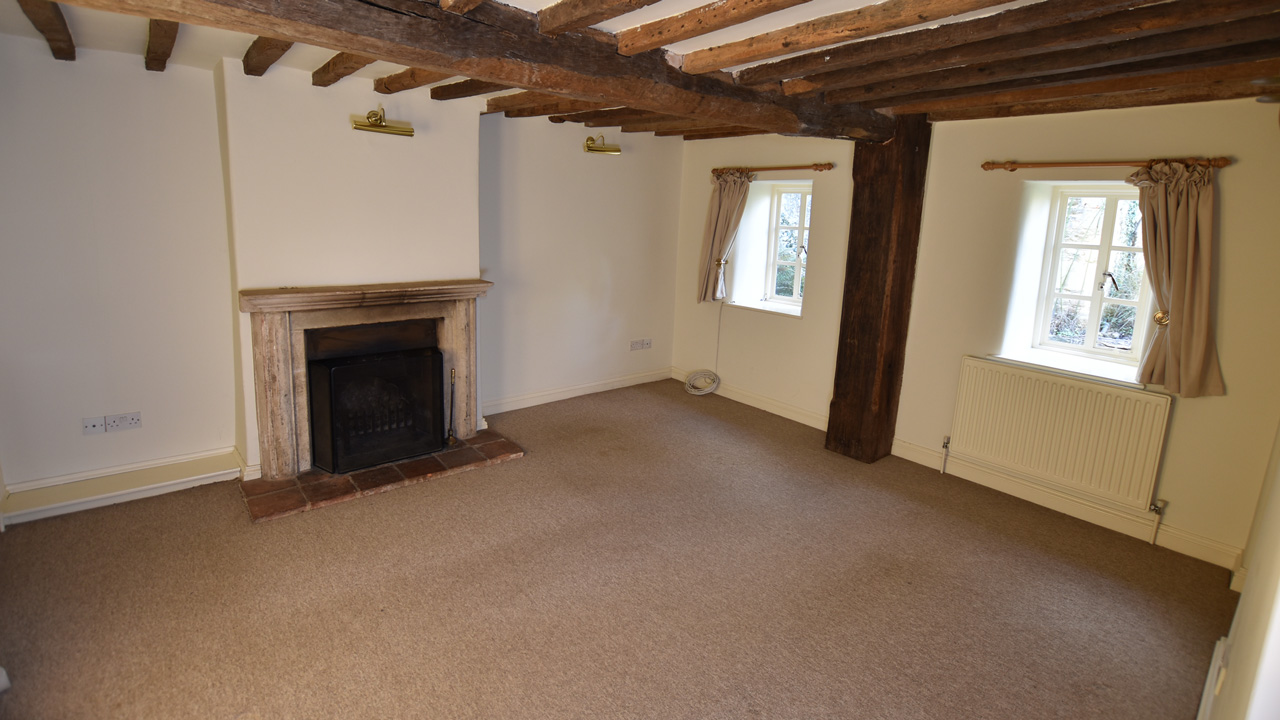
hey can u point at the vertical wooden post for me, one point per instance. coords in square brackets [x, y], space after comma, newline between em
[884, 233]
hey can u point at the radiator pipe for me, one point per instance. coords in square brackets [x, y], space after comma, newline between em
[1157, 507]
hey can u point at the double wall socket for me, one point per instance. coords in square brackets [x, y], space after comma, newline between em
[126, 421]
[642, 344]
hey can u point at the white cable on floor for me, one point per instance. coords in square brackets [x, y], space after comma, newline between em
[702, 382]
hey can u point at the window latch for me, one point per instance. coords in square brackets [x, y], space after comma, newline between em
[1114, 284]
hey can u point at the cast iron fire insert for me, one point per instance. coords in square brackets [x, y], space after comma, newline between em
[376, 392]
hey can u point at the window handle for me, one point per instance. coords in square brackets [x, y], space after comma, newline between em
[1114, 284]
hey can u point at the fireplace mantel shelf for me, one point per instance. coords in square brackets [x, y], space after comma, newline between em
[327, 297]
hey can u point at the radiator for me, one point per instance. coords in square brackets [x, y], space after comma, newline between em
[1092, 440]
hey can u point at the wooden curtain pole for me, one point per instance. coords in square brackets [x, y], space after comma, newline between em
[1218, 162]
[817, 167]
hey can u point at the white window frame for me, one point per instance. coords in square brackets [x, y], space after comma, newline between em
[1114, 193]
[775, 228]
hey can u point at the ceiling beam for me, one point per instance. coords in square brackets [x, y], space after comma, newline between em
[830, 30]
[699, 21]
[1137, 98]
[501, 44]
[1237, 32]
[263, 52]
[161, 37]
[1202, 77]
[338, 67]
[47, 18]
[408, 80]
[569, 15]
[591, 115]
[677, 124]
[460, 6]
[624, 118]
[1264, 50]
[1048, 13]
[1116, 27]
[557, 107]
[466, 89]
[724, 133]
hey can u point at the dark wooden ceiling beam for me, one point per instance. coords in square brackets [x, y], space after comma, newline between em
[162, 35]
[1237, 32]
[569, 15]
[716, 135]
[1251, 52]
[408, 80]
[677, 124]
[1136, 98]
[622, 119]
[1202, 77]
[708, 130]
[830, 30]
[1115, 27]
[501, 44]
[460, 6]
[338, 67]
[466, 89]
[699, 21]
[557, 107]
[1048, 13]
[589, 115]
[263, 52]
[48, 20]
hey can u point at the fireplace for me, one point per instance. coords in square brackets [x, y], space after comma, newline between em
[376, 394]
[283, 319]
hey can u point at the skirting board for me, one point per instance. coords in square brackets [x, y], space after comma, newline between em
[523, 401]
[115, 470]
[1175, 539]
[120, 487]
[755, 400]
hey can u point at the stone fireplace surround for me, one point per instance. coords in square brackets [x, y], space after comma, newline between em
[280, 318]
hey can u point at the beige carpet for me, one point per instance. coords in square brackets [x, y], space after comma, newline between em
[655, 555]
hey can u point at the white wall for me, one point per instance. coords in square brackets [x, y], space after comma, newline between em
[777, 362]
[1218, 447]
[113, 263]
[580, 249]
[314, 202]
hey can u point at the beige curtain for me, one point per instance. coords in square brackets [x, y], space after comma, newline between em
[1177, 232]
[728, 200]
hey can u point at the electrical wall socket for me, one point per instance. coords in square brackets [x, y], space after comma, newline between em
[126, 421]
[93, 426]
[642, 344]
[648, 343]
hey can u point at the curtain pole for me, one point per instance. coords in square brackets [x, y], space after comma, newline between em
[817, 167]
[1218, 162]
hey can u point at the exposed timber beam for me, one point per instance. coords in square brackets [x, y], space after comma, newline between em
[460, 6]
[623, 118]
[1048, 13]
[338, 67]
[841, 27]
[557, 107]
[466, 89]
[1116, 27]
[47, 18]
[1167, 45]
[680, 124]
[408, 80]
[716, 135]
[1235, 54]
[528, 98]
[501, 44]
[699, 21]
[569, 15]
[161, 36]
[1183, 80]
[1136, 98]
[263, 52]
[709, 130]
[888, 200]
[589, 115]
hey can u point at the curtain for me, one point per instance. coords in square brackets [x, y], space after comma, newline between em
[1177, 232]
[728, 200]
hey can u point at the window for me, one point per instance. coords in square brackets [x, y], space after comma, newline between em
[767, 268]
[1094, 298]
[789, 211]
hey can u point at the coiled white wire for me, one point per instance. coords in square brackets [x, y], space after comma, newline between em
[702, 382]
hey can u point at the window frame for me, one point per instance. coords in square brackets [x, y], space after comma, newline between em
[1113, 193]
[805, 189]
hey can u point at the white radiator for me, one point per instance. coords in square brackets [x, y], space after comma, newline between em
[1099, 442]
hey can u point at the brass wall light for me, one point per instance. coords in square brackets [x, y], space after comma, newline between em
[376, 121]
[600, 148]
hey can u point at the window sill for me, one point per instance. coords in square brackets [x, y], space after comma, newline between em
[773, 308]
[1085, 368]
